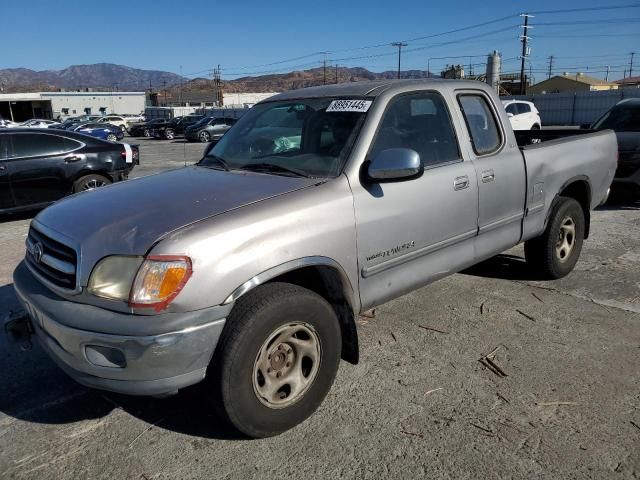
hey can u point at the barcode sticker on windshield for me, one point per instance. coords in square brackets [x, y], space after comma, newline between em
[349, 106]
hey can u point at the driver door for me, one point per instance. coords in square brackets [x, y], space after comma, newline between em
[412, 232]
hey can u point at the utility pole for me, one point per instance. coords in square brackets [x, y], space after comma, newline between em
[164, 88]
[525, 52]
[336, 73]
[631, 64]
[217, 86]
[180, 85]
[399, 45]
[324, 68]
[550, 66]
[606, 78]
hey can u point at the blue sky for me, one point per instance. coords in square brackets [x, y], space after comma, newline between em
[245, 37]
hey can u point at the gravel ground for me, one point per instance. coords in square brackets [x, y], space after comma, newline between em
[419, 404]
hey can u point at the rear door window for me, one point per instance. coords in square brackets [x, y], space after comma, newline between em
[524, 108]
[34, 145]
[481, 123]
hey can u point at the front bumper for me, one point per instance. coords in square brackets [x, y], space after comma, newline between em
[149, 364]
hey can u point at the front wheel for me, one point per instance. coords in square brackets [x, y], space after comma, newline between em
[204, 137]
[169, 134]
[276, 360]
[554, 253]
[112, 137]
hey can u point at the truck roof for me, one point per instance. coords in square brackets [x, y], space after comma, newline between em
[369, 88]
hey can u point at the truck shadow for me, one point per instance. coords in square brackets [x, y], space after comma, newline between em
[33, 389]
[623, 200]
[503, 266]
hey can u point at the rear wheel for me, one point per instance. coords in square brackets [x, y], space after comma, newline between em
[204, 137]
[90, 182]
[535, 127]
[123, 128]
[112, 137]
[146, 133]
[276, 360]
[554, 254]
[169, 134]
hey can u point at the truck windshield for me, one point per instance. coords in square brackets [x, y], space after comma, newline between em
[622, 118]
[311, 136]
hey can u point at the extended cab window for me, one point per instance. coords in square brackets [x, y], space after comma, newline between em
[420, 122]
[482, 125]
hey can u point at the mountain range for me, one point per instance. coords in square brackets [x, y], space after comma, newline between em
[107, 76]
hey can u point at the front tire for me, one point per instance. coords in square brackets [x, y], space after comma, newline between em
[112, 137]
[276, 360]
[555, 253]
[169, 134]
[204, 137]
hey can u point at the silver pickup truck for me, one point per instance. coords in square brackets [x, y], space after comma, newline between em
[248, 269]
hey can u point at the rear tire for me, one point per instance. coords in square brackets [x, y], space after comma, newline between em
[555, 253]
[276, 359]
[146, 133]
[90, 182]
[169, 134]
[112, 137]
[204, 137]
[535, 127]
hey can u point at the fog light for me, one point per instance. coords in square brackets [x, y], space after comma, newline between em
[105, 356]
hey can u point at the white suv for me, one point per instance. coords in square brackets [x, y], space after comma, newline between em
[522, 115]
[116, 120]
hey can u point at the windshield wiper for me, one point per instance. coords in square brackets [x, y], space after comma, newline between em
[273, 168]
[219, 160]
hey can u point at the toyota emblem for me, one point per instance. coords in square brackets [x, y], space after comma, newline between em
[38, 250]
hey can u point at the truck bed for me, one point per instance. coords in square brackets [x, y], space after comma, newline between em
[555, 158]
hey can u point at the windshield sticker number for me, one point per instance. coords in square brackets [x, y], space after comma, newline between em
[349, 106]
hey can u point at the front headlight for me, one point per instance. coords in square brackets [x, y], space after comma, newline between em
[159, 280]
[113, 276]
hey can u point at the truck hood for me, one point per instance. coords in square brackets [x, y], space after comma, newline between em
[127, 218]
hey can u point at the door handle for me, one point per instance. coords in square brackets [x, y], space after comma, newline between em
[72, 159]
[488, 176]
[460, 183]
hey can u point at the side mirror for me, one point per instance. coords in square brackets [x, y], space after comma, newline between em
[510, 115]
[395, 164]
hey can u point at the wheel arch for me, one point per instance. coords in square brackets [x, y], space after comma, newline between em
[325, 277]
[578, 188]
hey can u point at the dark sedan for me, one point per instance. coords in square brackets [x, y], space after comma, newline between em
[176, 127]
[38, 167]
[145, 129]
[209, 129]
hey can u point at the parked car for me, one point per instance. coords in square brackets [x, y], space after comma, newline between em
[38, 123]
[38, 167]
[116, 120]
[209, 129]
[133, 118]
[175, 127]
[105, 131]
[252, 266]
[146, 129]
[624, 119]
[522, 115]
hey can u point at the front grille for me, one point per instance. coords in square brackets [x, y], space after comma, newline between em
[52, 260]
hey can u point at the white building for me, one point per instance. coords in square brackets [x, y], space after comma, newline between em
[244, 99]
[23, 106]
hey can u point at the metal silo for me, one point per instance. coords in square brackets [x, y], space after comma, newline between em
[493, 70]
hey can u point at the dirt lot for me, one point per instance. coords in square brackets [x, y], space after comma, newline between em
[419, 405]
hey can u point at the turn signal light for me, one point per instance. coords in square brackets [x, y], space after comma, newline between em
[159, 280]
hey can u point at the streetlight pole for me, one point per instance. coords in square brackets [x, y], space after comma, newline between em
[399, 45]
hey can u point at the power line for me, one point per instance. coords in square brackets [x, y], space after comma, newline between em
[587, 9]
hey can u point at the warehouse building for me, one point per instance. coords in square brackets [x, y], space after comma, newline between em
[23, 106]
[569, 82]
